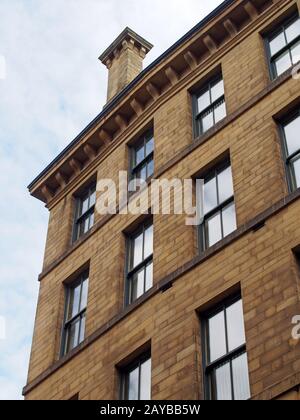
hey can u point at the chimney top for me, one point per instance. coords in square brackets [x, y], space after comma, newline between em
[128, 35]
[124, 60]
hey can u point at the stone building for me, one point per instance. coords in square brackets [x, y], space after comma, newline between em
[145, 306]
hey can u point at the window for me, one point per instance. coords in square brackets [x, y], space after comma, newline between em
[85, 212]
[140, 263]
[142, 162]
[284, 46]
[209, 106]
[226, 364]
[136, 380]
[218, 207]
[291, 129]
[76, 303]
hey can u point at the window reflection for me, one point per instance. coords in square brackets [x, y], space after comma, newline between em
[210, 107]
[219, 208]
[291, 131]
[74, 327]
[284, 46]
[85, 212]
[142, 163]
[227, 365]
[136, 380]
[140, 270]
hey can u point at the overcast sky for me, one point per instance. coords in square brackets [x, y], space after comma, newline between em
[54, 86]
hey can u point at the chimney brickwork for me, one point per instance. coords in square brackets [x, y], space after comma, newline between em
[124, 60]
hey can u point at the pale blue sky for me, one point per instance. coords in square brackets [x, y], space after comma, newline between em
[54, 86]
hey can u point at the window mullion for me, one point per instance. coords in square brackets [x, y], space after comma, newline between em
[219, 205]
[226, 329]
[139, 384]
[80, 295]
[79, 330]
[143, 246]
[231, 381]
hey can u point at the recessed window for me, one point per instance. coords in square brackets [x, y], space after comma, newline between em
[75, 313]
[284, 46]
[142, 159]
[218, 206]
[85, 212]
[140, 262]
[209, 106]
[226, 364]
[291, 140]
[136, 380]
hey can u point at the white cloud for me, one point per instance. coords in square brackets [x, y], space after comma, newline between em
[54, 86]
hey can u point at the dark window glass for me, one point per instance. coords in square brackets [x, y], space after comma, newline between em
[226, 365]
[76, 304]
[218, 206]
[209, 106]
[136, 380]
[284, 46]
[291, 129]
[140, 263]
[85, 212]
[142, 163]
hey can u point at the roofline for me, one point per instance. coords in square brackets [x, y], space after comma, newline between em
[131, 85]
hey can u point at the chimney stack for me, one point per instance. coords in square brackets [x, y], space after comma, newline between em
[124, 60]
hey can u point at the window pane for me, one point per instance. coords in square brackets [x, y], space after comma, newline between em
[91, 220]
[133, 385]
[241, 378]
[146, 381]
[86, 224]
[148, 242]
[207, 121]
[220, 112]
[138, 250]
[85, 205]
[140, 154]
[74, 301]
[150, 146]
[137, 285]
[235, 326]
[142, 174]
[223, 383]
[277, 43]
[150, 168]
[203, 101]
[229, 220]
[225, 184]
[149, 277]
[292, 131]
[296, 53]
[217, 338]
[82, 330]
[210, 195]
[217, 91]
[283, 63]
[297, 172]
[81, 228]
[214, 229]
[73, 335]
[92, 198]
[84, 295]
[293, 31]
